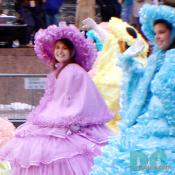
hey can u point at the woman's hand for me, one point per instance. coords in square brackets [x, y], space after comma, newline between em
[88, 24]
[135, 49]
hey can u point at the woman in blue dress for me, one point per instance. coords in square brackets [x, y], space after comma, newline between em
[146, 145]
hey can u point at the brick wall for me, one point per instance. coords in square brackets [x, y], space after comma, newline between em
[19, 61]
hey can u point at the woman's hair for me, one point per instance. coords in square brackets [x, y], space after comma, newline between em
[71, 47]
[131, 32]
[68, 43]
[163, 21]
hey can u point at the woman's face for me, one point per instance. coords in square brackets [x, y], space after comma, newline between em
[62, 53]
[162, 35]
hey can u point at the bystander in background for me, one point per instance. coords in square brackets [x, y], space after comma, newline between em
[137, 5]
[109, 8]
[52, 9]
[169, 2]
[32, 14]
[127, 6]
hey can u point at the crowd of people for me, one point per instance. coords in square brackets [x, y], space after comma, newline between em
[105, 112]
[42, 13]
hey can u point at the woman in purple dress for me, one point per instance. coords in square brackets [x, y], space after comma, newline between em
[67, 129]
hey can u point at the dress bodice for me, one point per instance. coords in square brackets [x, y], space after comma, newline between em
[155, 91]
[72, 99]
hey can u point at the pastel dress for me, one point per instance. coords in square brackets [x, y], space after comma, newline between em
[6, 133]
[106, 75]
[146, 145]
[65, 131]
[5, 168]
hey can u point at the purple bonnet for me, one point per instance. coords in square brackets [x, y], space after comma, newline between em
[45, 40]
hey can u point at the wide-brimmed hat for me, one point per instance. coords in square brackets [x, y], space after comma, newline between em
[150, 13]
[118, 28]
[45, 39]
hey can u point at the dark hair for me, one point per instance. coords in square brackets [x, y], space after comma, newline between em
[167, 24]
[68, 43]
[131, 32]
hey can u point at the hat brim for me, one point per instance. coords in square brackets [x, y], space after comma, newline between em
[45, 40]
[118, 28]
[150, 13]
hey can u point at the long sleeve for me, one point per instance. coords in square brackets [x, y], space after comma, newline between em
[132, 73]
[129, 64]
[135, 92]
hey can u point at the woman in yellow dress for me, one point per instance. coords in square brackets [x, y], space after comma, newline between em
[116, 37]
[6, 133]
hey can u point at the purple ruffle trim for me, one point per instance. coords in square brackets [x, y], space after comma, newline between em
[45, 39]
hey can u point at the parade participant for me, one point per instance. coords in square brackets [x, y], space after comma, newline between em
[31, 13]
[116, 35]
[67, 129]
[147, 141]
[7, 131]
